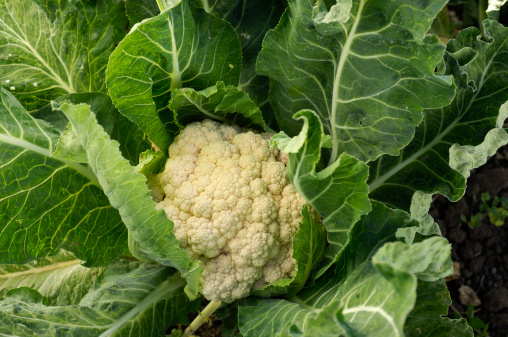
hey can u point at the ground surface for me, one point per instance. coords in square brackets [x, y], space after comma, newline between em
[483, 251]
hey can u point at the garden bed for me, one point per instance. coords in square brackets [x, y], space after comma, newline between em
[481, 251]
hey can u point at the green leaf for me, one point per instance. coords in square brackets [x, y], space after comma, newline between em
[219, 8]
[338, 193]
[48, 203]
[229, 317]
[139, 10]
[226, 104]
[427, 228]
[69, 148]
[453, 140]
[433, 263]
[420, 206]
[251, 20]
[308, 251]
[152, 162]
[128, 298]
[366, 69]
[426, 319]
[494, 8]
[356, 297]
[128, 193]
[466, 158]
[49, 48]
[60, 278]
[179, 48]
[132, 140]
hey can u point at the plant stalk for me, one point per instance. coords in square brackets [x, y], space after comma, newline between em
[203, 315]
[206, 6]
[160, 3]
[482, 13]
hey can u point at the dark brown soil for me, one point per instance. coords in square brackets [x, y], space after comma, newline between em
[482, 251]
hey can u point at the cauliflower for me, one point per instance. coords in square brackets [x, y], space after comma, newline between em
[233, 206]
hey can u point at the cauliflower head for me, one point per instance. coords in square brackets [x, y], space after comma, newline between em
[233, 206]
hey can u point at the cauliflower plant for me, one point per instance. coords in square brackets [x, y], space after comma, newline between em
[233, 206]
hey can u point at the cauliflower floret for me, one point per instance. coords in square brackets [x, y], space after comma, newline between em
[290, 207]
[282, 266]
[225, 281]
[181, 167]
[275, 176]
[245, 246]
[233, 207]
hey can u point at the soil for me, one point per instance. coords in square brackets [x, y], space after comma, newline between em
[481, 252]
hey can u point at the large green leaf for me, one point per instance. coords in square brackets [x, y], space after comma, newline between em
[181, 47]
[429, 264]
[357, 297]
[132, 140]
[138, 10]
[365, 67]
[251, 20]
[127, 191]
[128, 298]
[60, 278]
[47, 203]
[152, 162]
[453, 140]
[308, 251]
[49, 48]
[338, 193]
[226, 104]
[425, 320]
[219, 8]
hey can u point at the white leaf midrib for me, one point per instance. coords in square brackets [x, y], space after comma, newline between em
[32, 271]
[176, 75]
[206, 5]
[336, 83]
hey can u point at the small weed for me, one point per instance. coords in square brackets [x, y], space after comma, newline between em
[496, 210]
[479, 327]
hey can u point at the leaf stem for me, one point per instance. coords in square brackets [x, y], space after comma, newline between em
[161, 5]
[203, 315]
[336, 83]
[482, 13]
[206, 6]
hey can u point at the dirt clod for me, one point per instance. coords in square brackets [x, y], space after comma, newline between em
[499, 322]
[477, 264]
[468, 296]
[496, 299]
